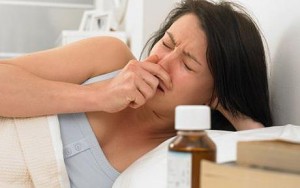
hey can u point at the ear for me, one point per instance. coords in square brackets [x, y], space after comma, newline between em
[214, 101]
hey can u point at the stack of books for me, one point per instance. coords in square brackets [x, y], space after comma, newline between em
[260, 164]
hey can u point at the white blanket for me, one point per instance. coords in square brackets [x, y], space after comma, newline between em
[151, 170]
[31, 153]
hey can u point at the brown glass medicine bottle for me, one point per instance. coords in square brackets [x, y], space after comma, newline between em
[189, 147]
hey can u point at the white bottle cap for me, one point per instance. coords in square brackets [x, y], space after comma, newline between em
[192, 117]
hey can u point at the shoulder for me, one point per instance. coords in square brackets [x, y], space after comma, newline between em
[110, 43]
[111, 54]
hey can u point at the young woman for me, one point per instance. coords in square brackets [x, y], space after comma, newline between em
[204, 53]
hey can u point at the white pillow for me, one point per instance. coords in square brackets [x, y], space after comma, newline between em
[151, 169]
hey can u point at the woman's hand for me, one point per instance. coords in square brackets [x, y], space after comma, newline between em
[239, 121]
[134, 85]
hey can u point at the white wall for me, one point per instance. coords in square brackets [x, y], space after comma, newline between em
[143, 18]
[34, 25]
[104, 5]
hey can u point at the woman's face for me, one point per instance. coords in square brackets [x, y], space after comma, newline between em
[182, 53]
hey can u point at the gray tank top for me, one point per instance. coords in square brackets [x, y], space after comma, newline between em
[85, 161]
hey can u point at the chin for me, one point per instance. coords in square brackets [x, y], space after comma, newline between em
[161, 106]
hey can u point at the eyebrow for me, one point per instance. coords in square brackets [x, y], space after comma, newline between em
[184, 52]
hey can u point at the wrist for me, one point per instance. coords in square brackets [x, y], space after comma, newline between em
[96, 96]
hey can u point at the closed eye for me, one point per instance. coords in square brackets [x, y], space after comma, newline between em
[187, 67]
[166, 45]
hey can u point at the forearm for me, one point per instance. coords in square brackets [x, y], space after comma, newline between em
[23, 94]
[240, 122]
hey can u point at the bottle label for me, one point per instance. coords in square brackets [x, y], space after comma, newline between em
[179, 169]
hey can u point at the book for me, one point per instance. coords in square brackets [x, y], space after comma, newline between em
[235, 176]
[273, 154]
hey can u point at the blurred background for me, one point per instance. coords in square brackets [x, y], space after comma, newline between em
[33, 25]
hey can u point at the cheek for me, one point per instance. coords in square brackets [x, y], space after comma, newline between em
[191, 90]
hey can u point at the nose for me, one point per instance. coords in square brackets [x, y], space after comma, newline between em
[167, 60]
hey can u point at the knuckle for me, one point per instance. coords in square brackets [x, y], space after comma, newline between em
[140, 100]
[152, 94]
[132, 65]
[130, 77]
[149, 94]
[158, 68]
[155, 82]
[129, 87]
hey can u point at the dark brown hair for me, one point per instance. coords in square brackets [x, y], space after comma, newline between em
[235, 55]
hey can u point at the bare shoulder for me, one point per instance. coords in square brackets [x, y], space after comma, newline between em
[112, 54]
[77, 61]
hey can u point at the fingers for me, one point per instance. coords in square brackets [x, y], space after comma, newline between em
[147, 87]
[152, 58]
[138, 101]
[138, 82]
[158, 71]
[150, 64]
[144, 88]
[154, 69]
[149, 79]
[139, 95]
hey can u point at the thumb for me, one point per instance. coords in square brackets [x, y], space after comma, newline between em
[152, 58]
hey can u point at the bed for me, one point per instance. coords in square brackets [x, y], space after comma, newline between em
[151, 170]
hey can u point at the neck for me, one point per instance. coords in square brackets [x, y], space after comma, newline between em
[134, 124]
[150, 123]
[130, 134]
